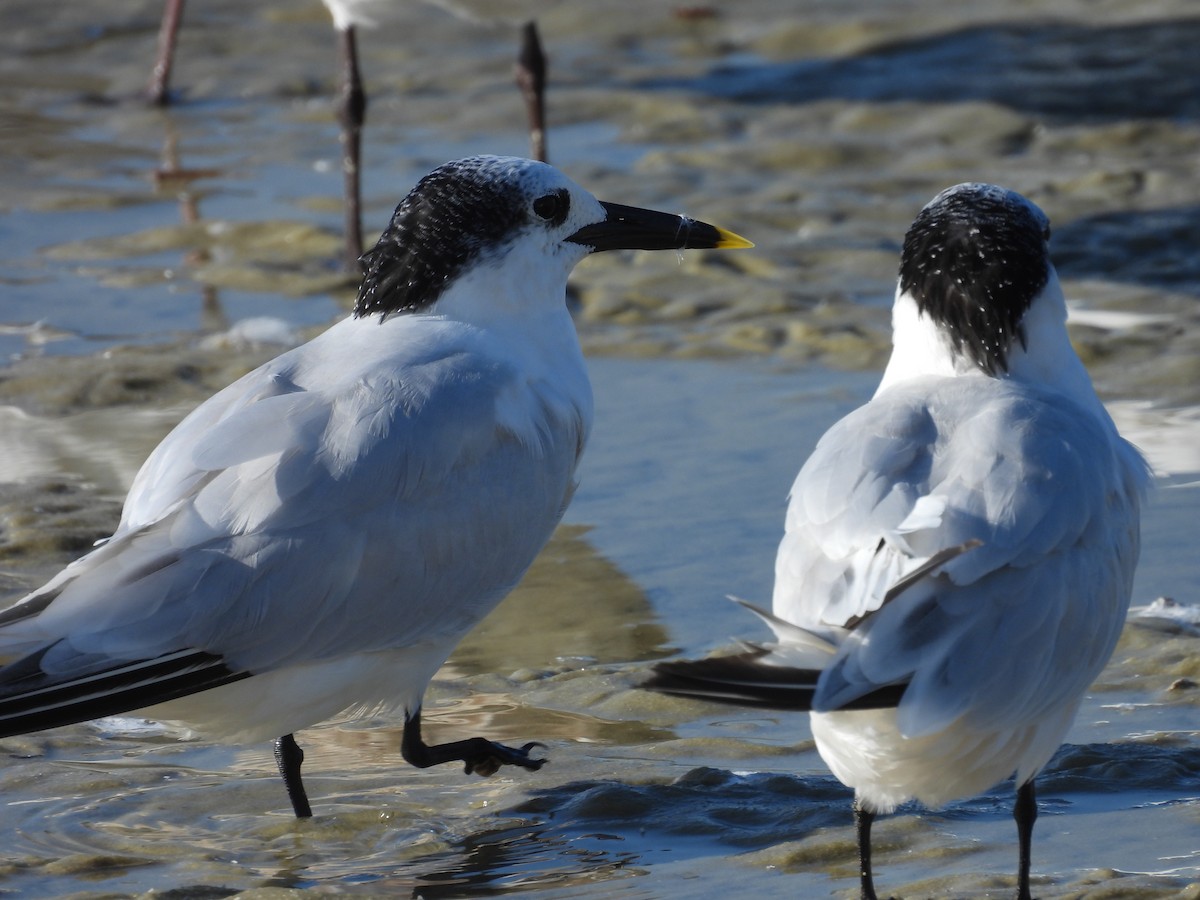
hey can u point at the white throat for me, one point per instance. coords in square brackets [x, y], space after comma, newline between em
[528, 282]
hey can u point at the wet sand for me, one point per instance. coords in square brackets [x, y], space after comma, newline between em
[818, 133]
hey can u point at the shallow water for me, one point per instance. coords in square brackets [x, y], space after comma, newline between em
[818, 133]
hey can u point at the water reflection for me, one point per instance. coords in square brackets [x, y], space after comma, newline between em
[573, 608]
[172, 176]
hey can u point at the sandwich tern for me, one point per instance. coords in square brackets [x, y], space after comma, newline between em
[318, 536]
[959, 552]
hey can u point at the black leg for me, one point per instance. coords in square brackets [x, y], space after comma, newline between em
[352, 111]
[289, 756]
[862, 823]
[160, 79]
[531, 79]
[478, 755]
[1025, 812]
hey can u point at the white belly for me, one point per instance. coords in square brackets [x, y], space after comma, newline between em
[866, 751]
[280, 702]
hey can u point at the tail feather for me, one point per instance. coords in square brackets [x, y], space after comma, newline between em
[741, 679]
[32, 700]
[746, 680]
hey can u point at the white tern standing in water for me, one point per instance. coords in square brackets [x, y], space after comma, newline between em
[318, 536]
[959, 552]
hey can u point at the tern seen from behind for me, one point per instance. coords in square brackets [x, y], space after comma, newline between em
[959, 552]
[317, 537]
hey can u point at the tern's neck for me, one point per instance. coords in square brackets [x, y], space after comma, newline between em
[518, 292]
[523, 311]
[1047, 358]
[918, 347]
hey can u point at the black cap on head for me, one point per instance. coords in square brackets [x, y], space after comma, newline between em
[974, 260]
[472, 210]
[447, 221]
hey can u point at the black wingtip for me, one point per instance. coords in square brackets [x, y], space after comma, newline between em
[745, 680]
[31, 701]
[741, 680]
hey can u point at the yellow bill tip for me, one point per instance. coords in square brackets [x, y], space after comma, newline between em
[727, 240]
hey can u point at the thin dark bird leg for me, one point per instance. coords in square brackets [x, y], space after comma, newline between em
[1025, 812]
[351, 112]
[158, 92]
[289, 757]
[862, 823]
[531, 79]
[478, 755]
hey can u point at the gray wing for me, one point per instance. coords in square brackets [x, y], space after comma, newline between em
[1024, 621]
[282, 524]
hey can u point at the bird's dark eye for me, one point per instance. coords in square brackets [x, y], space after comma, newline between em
[552, 207]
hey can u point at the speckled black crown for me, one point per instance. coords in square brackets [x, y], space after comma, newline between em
[454, 215]
[974, 260]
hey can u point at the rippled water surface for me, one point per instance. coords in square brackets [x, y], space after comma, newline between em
[136, 243]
